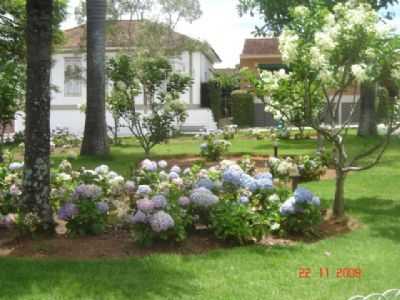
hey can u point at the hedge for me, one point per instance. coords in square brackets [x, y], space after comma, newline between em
[211, 98]
[243, 108]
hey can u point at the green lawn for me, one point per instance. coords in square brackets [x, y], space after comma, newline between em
[252, 272]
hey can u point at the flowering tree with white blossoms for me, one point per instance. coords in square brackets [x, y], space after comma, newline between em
[329, 53]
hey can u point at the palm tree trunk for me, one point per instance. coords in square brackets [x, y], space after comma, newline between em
[367, 122]
[36, 182]
[95, 135]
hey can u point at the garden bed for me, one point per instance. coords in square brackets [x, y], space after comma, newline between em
[118, 244]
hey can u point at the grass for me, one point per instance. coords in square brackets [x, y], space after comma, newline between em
[252, 272]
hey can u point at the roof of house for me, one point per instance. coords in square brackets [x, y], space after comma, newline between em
[261, 47]
[123, 32]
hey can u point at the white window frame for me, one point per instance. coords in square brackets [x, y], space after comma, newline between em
[72, 87]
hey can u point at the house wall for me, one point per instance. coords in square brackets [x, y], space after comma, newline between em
[65, 111]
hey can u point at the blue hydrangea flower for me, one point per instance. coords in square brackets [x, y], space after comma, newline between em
[244, 199]
[102, 207]
[175, 169]
[173, 175]
[303, 195]
[265, 175]
[264, 183]
[316, 201]
[248, 182]
[288, 207]
[159, 201]
[203, 197]
[68, 211]
[138, 217]
[206, 183]
[232, 176]
[144, 189]
[145, 205]
[161, 221]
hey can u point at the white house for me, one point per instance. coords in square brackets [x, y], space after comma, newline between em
[69, 94]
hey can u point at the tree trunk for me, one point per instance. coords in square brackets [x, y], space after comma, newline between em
[367, 120]
[36, 181]
[95, 135]
[338, 203]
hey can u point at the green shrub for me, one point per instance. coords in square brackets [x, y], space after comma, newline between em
[238, 222]
[211, 97]
[242, 109]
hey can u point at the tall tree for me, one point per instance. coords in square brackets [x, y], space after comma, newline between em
[276, 15]
[95, 135]
[36, 182]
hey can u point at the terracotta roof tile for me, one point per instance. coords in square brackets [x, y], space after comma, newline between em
[122, 34]
[261, 46]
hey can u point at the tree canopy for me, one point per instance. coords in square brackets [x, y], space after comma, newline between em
[276, 14]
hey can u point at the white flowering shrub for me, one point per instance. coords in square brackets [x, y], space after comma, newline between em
[306, 167]
[328, 53]
[230, 131]
[63, 138]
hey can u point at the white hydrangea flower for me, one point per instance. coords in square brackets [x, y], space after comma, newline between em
[102, 170]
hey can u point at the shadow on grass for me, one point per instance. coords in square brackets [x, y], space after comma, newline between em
[381, 215]
[133, 279]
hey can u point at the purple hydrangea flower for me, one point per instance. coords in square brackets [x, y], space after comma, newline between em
[288, 207]
[161, 221]
[15, 190]
[203, 197]
[159, 201]
[138, 217]
[148, 165]
[144, 189]
[145, 205]
[102, 207]
[130, 187]
[15, 166]
[206, 183]
[68, 211]
[176, 169]
[184, 201]
[87, 191]
[303, 195]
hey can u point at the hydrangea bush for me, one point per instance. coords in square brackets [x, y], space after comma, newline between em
[63, 138]
[161, 202]
[306, 167]
[214, 146]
